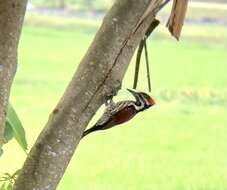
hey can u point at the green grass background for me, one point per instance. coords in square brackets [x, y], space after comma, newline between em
[180, 144]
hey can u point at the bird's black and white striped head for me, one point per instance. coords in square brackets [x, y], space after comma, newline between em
[143, 100]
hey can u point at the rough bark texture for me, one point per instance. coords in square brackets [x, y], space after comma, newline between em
[11, 19]
[98, 76]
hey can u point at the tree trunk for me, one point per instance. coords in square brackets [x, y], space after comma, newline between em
[98, 76]
[11, 19]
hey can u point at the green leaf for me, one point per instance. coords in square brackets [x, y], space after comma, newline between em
[8, 132]
[10, 186]
[3, 186]
[7, 175]
[15, 124]
[16, 173]
[4, 178]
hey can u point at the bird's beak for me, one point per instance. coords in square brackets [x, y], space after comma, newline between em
[133, 92]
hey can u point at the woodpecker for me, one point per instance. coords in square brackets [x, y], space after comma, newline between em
[121, 112]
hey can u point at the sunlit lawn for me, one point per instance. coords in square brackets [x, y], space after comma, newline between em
[180, 144]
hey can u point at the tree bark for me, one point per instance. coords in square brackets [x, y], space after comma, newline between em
[98, 76]
[11, 19]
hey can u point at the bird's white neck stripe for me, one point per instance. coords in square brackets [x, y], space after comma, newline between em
[139, 107]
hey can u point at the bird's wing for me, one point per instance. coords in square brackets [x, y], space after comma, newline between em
[111, 110]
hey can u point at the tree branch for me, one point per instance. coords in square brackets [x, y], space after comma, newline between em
[98, 76]
[151, 28]
[11, 19]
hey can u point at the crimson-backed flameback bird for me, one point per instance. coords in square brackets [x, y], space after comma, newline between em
[121, 112]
